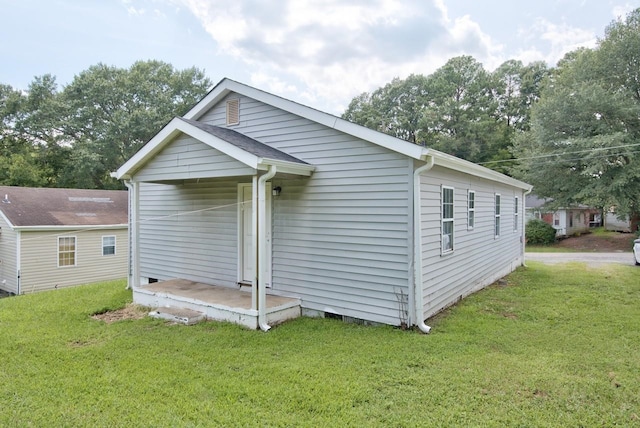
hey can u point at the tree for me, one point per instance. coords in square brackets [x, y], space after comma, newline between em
[585, 130]
[109, 113]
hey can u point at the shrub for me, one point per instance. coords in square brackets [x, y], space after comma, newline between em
[540, 233]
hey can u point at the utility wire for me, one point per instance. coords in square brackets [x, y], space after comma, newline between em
[560, 154]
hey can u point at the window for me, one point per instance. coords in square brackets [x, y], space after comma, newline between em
[515, 213]
[233, 111]
[108, 245]
[66, 251]
[471, 209]
[497, 216]
[447, 219]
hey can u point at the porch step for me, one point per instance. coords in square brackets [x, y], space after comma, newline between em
[178, 315]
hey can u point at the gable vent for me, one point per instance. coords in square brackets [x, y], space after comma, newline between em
[233, 111]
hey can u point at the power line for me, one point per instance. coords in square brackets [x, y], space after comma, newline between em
[561, 154]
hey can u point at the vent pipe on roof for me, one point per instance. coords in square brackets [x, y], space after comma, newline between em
[6, 199]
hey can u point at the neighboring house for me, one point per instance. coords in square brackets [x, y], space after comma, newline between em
[566, 221]
[612, 222]
[53, 238]
[350, 222]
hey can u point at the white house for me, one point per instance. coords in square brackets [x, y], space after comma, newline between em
[53, 238]
[310, 214]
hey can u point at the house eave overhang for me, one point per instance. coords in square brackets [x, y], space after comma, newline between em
[448, 161]
[178, 126]
[78, 227]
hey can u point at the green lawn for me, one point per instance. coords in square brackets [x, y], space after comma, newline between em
[556, 346]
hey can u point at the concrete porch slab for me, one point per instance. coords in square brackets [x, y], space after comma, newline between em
[215, 302]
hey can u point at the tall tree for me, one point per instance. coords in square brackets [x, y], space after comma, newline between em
[585, 130]
[109, 113]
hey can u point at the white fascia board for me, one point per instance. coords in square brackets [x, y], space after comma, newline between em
[452, 162]
[387, 141]
[167, 134]
[53, 228]
[287, 167]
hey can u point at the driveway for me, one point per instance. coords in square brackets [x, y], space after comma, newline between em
[589, 258]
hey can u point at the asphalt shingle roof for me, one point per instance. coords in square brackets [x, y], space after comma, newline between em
[245, 143]
[29, 206]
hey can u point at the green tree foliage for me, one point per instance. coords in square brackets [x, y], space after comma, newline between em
[460, 109]
[110, 113]
[583, 143]
[77, 136]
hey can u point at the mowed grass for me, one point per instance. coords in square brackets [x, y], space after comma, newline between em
[553, 346]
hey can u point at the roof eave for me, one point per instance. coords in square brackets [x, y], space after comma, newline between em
[57, 228]
[285, 167]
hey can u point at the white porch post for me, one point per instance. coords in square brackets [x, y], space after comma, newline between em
[262, 249]
[254, 242]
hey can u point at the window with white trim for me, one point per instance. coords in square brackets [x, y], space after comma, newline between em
[497, 215]
[447, 219]
[108, 245]
[471, 209]
[66, 251]
[515, 213]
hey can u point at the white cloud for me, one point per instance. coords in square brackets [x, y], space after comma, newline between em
[620, 11]
[332, 50]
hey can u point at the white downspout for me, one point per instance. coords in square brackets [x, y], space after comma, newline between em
[134, 277]
[262, 248]
[524, 225]
[417, 244]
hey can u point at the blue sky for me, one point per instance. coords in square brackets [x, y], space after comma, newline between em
[318, 52]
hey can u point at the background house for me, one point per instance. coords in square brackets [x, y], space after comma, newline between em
[612, 222]
[249, 188]
[566, 221]
[52, 238]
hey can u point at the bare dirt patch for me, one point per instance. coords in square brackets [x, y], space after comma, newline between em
[612, 242]
[129, 312]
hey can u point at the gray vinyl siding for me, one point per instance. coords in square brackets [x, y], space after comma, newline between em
[479, 257]
[8, 248]
[39, 259]
[341, 237]
[189, 231]
[187, 158]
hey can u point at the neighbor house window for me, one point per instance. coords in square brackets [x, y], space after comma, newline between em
[497, 215]
[66, 251]
[233, 111]
[447, 219]
[108, 245]
[515, 213]
[471, 209]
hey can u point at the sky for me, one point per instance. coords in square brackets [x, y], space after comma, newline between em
[321, 53]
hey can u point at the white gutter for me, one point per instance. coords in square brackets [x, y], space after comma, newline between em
[417, 244]
[524, 225]
[73, 228]
[262, 248]
[131, 234]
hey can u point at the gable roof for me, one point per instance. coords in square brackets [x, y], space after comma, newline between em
[37, 208]
[227, 86]
[244, 149]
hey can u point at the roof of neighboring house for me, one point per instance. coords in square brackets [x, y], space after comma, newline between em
[29, 206]
[245, 143]
[533, 201]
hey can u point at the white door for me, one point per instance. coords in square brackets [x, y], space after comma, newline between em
[247, 253]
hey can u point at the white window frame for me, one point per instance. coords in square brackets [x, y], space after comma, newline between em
[471, 209]
[516, 213]
[106, 246]
[74, 251]
[445, 238]
[497, 202]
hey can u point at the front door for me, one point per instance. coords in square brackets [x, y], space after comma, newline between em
[247, 252]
